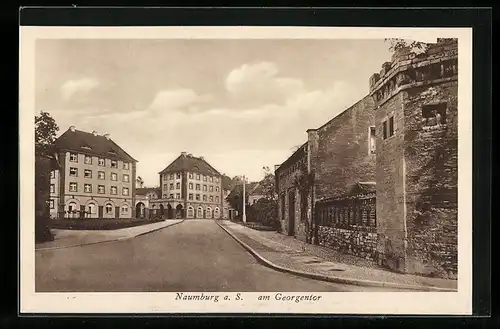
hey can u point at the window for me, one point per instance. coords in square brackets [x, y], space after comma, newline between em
[211, 198]
[190, 212]
[211, 189]
[114, 190]
[190, 196]
[114, 176]
[71, 206]
[51, 203]
[204, 187]
[371, 140]
[197, 187]
[171, 186]
[217, 212]
[198, 176]
[216, 179]
[73, 157]
[216, 198]
[385, 129]
[178, 196]
[204, 178]
[197, 197]
[87, 173]
[171, 196]
[204, 198]
[434, 115]
[73, 187]
[101, 189]
[125, 191]
[391, 126]
[165, 186]
[88, 159]
[91, 208]
[52, 188]
[199, 213]
[126, 178]
[114, 164]
[178, 185]
[124, 209]
[178, 175]
[53, 174]
[216, 189]
[165, 177]
[191, 175]
[73, 172]
[109, 209]
[190, 186]
[101, 162]
[211, 179]
[171, 176]
[87, 188]
[126, 165]
[101, 175]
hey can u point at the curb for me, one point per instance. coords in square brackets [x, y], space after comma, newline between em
[334, 279]
[108, 241]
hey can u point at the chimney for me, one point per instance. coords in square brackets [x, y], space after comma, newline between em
[107, 136]
[190, 155]
[72, 128]
[202, 158]
[183, 153]
[94, 133]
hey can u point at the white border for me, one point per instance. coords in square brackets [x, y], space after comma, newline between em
[459, 303]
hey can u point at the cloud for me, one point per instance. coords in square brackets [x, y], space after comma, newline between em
[72, 88]
[260, 81]
[177, 100]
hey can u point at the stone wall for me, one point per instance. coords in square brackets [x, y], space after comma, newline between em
[342, 156]
[357, 241]
[431, 154]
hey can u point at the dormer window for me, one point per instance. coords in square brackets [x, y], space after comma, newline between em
[112, 152]
[86, 147]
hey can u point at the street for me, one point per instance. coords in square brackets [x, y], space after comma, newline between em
[196, 255]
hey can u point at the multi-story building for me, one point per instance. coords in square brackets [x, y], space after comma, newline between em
[190, 188]
[380, 179]
[96, 178]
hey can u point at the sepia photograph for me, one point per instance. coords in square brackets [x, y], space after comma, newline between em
[267, 169]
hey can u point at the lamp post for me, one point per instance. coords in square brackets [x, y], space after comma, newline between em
[244, 202]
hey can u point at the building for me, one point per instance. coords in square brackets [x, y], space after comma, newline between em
[95, 179]
[190, 188]
[255, 193]
[380, 179]
[143, 198]
[228, 212]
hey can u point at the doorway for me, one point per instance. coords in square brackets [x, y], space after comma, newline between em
[291, 213]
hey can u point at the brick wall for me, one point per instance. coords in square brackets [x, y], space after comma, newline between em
[358, 242]
[342, 156]
[431, 188]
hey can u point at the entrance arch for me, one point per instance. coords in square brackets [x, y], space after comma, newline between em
[140, 210]
[170, 212]
[162, 210]
[179, 211]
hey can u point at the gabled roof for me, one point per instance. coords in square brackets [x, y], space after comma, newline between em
[146, 190]
[88, 143]
[192, 164]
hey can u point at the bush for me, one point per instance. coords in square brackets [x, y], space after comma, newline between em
[265, 212]
[99, 224]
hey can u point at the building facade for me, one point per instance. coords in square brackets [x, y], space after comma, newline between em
[95, 180]
[379, 180]
[190, 188]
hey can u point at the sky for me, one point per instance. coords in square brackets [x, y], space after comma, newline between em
[241, 104]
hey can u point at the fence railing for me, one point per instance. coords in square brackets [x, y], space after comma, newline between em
[357, 211]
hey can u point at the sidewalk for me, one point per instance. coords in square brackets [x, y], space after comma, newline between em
[288, 254]
[75, 238]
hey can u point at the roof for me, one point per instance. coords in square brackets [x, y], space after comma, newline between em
[190, 163]
[298, 154]
[146, 190]
[363, 188]
[88, 143]
[256, 190]
[249, 187]
[227, 183]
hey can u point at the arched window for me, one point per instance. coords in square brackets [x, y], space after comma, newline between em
[91, 210]
[216, 212]
[72, 210]
[125, 209]
[109, 209]
[199, 213]
[190, 212]
[209, 212]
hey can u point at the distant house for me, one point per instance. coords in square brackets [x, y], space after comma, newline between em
[228, 211]
[255, 193]
[96, 178]
[143, 198]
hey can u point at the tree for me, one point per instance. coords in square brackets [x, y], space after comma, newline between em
[396, 44]
[45, 133]
[268, 184]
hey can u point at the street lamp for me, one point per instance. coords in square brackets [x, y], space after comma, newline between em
[244, 202]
